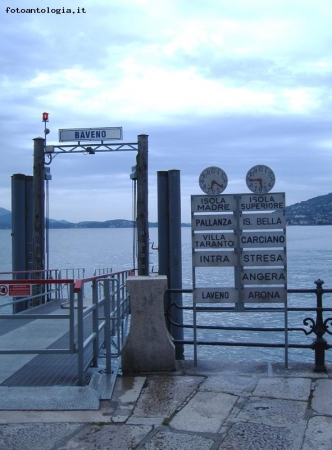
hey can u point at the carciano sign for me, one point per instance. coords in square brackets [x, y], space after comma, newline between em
[90, 134]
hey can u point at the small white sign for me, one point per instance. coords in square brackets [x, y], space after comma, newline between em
[256, 239]
[215, 259]
[90, 134]
[264, 295]
[213, 241]
[270, 220]
[213, 203]
[215, 295]
[263, 276]
[261, 203]
[263, 258]
[213, 222]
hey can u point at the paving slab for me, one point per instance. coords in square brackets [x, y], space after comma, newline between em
[258, 436]
[162, 395]
[119, 437]
[318, 434]
[273, 411]
[206, 411]
[232, 384]
[166, 440]
[37, 436]
[287, 388]
[322, 397]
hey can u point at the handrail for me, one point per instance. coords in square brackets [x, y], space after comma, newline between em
[79, 283]
[39, 281]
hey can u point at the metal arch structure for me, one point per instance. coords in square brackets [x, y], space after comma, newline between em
[41, 152]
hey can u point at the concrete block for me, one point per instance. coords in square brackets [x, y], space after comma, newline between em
[149, 346]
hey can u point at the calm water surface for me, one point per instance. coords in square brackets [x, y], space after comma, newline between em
[309, 257]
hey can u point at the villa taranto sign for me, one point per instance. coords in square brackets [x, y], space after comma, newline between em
[247, 232]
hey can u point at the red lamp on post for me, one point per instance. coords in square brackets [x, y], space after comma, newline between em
[45, 117]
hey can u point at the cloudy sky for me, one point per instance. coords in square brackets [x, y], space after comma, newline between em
[231, 83]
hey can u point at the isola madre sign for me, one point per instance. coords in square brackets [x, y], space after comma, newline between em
[244, 231]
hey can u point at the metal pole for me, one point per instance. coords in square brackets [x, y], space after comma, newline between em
[18, 233]
[163, 232]
[38, 206]
[142, 206]
[175, 256]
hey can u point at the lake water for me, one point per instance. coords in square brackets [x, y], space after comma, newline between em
[309, 257]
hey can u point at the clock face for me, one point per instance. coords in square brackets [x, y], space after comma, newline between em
[213, 180]
[260, 179]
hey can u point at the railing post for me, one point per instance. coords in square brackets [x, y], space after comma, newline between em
[80, 338]
[95, 330]
[320, 344]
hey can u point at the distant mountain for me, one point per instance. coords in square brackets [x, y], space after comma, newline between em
[315, 211]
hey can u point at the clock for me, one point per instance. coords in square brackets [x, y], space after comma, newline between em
[213, 180]
[260, 179]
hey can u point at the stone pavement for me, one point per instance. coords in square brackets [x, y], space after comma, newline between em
[216, 406]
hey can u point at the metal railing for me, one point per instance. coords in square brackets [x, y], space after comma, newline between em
[317, 326]
[103, 325]
[96, 327]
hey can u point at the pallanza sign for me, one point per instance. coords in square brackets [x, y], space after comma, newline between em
[247, 232]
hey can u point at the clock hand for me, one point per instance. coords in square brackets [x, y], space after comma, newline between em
[257, 179]
[218, 184]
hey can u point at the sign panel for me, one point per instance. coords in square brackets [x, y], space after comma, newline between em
[214, 240]
[247, 232]
[263, 258]
[272, 220]
[215, 259]
[212, 203]
[90, 134]
[263, 276]
[266, 202]
[15, 290]
[258, 239]
[263, 295]
[213, 222]
[216, 295]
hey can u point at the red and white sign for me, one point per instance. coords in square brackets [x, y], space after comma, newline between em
[15, 290]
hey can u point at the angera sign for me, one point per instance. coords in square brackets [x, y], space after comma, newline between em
[90, 134]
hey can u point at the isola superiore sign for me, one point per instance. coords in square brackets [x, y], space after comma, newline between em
[243, 231]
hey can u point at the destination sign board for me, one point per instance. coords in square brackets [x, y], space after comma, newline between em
[214, 240]
[213, 203]
[90, 134]
[214, 222]
[263, 258]
[215, 259]
[270, 220]
[247, 232]
[263, 276]
[215, 295]
[256, 239]
[263, 295]
[266, 202]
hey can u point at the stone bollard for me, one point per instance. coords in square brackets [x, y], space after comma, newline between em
[148, 346]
